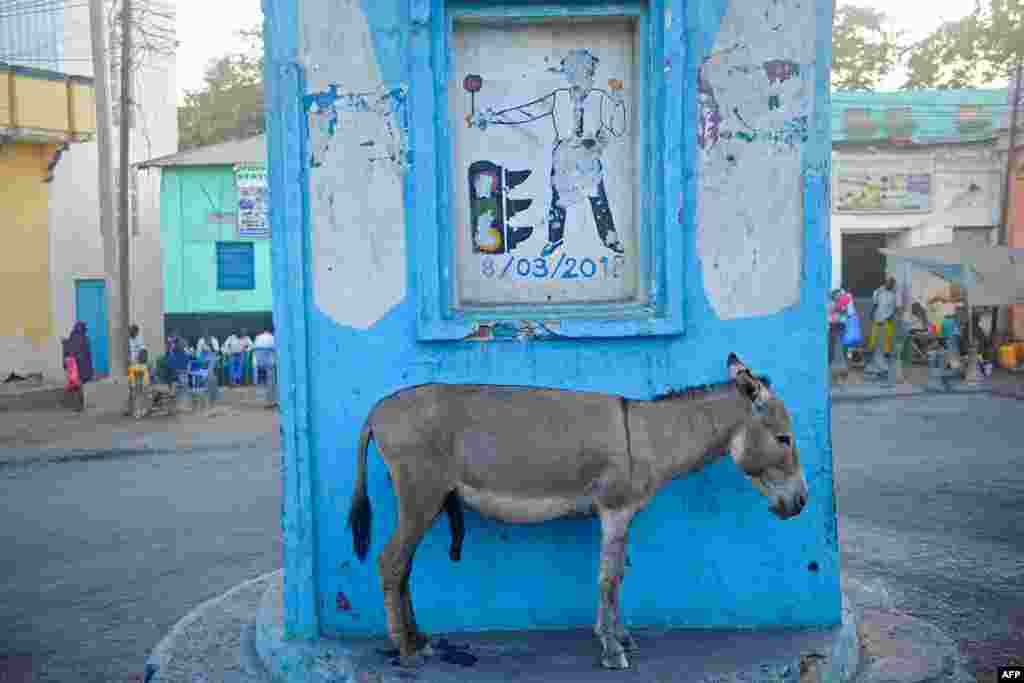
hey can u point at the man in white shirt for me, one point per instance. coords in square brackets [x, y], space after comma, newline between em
[884, 309]
[264, 340]
[263, 354]
[135, 344]
[232, 344]
[208, 344]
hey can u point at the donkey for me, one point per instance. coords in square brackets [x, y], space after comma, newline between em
[522, 454]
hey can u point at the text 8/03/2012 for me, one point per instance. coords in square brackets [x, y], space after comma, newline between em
[564, 267]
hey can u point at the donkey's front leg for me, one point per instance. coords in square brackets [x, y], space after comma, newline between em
[614, 534]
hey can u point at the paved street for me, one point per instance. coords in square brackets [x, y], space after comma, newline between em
[931, 504]
[101, 557]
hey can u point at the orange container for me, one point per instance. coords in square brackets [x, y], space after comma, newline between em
[1008, 356]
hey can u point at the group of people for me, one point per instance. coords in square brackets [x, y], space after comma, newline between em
[845, 328]
[233, 350]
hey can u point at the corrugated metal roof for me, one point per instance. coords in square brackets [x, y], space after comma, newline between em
[919, 117]
[248, 151]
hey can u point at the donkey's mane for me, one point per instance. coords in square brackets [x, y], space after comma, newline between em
[703, 391]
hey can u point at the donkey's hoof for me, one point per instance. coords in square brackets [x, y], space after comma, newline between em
[615, 661]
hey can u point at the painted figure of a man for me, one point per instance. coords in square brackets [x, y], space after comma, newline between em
[584, 119]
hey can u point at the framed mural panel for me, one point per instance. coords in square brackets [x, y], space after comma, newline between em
[883, 186]
[551, 161]
[548, 155]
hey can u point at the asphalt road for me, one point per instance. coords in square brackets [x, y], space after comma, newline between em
[931, 505]
[101, 557]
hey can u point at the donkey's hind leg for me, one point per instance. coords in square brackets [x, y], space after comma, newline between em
[418, 637]
[419, 500]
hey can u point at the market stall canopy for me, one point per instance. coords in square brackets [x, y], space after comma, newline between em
[992, 276]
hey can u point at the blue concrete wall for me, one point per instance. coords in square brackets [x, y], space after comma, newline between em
[707, 552]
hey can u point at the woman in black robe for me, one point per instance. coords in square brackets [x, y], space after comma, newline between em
[77, 345]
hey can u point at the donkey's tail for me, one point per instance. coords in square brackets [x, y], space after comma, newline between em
[360, 516]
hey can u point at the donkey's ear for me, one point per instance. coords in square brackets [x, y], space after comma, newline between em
[735, 366]
[744, 378]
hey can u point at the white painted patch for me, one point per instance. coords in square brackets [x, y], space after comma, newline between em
[357, 214]
[750, 206]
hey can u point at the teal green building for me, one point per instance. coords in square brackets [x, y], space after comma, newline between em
[215, 239]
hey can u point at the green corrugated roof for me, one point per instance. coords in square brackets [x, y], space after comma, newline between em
[919, 117]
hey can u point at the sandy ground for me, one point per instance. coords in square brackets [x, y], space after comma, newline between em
[60, 429]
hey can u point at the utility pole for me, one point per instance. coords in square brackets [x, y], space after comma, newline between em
[124, 210]
[104, 140]
[1004, 217]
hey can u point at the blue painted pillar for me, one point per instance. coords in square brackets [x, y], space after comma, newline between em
[459, 195]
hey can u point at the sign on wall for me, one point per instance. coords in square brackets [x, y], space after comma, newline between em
[882, 192]
[546, 162]
[252, 202]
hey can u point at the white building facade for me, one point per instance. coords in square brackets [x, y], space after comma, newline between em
[912, 169]
[58, 38]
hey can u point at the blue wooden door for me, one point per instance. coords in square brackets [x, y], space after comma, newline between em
[91, 308]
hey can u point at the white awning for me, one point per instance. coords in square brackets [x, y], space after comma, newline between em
[992, 276]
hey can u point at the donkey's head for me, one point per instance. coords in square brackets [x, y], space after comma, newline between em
[763, 447]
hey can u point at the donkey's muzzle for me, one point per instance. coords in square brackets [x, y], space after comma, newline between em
[790, 506]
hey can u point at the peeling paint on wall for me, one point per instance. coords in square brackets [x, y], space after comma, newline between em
[523, 330]
[358, 145]
[754, 102]
[329, 108]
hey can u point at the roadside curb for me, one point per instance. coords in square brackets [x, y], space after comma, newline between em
[908, 391]
[899, 648]
[238, 638]
[179, 656]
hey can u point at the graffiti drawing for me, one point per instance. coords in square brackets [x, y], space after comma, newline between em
[490, 208]
[325, 109]
[577, 167]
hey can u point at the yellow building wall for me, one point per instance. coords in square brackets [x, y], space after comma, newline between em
[54, 104]
[24, 234]
[6, 84]
[41, 103]
[83, 108]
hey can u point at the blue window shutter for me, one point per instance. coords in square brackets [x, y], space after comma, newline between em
[236, 265]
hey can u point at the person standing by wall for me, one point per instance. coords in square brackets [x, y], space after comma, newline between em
[245, 342]
[236, 355]
[263, 355]
[838, 316]
[77, 346]
[208, 344]
[883, 326]
[135, 345]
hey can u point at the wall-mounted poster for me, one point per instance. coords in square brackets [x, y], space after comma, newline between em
[882, 192]
[252, 201]
[546, 162]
